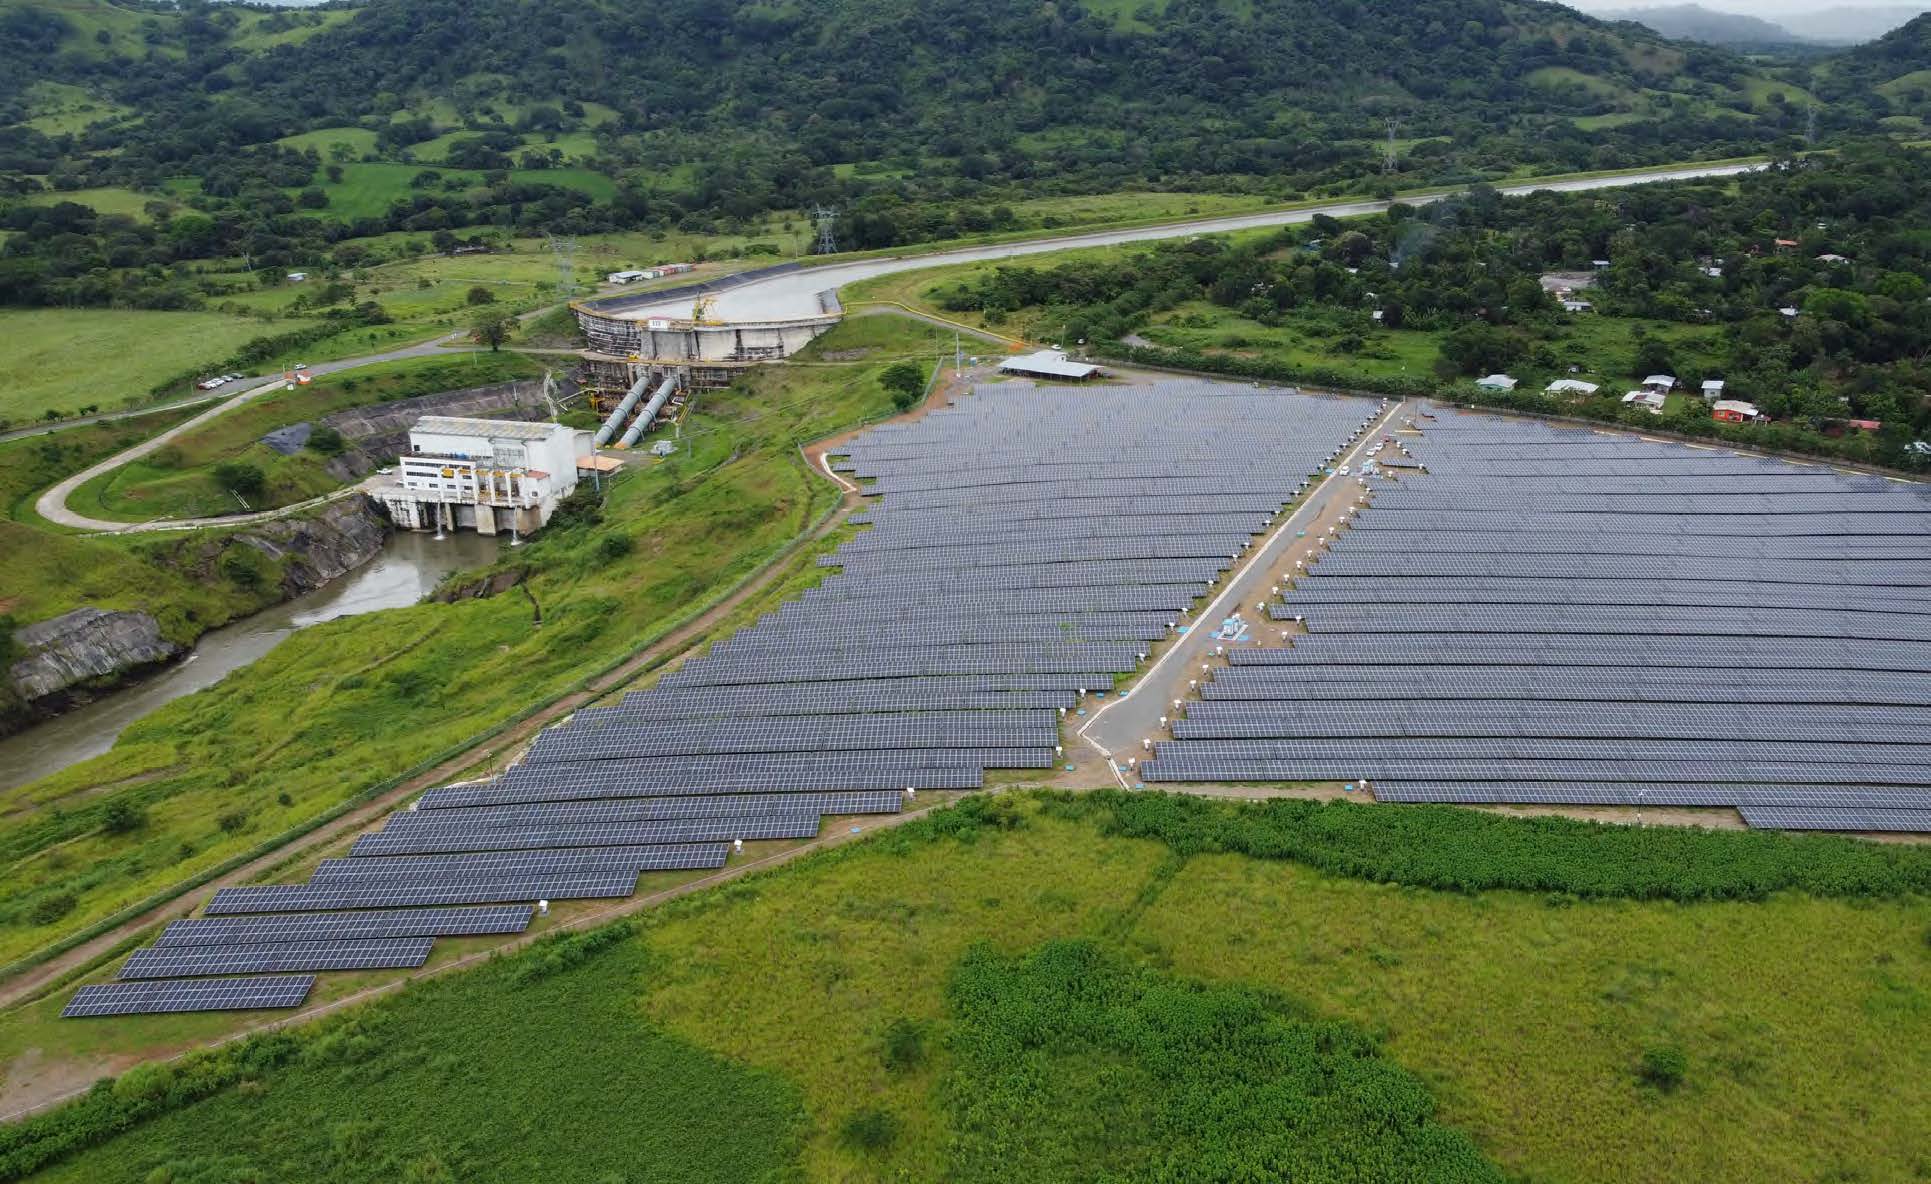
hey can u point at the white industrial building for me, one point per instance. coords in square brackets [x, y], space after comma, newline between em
[486, 475]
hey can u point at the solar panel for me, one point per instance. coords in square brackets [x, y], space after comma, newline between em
[324, 927]
[190, 961]
[217, 994]
[295, 898]
[1846, 819]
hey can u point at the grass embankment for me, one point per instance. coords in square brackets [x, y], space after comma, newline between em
[61, 360]
[342, 706]
[871, 1016]
[181, 479]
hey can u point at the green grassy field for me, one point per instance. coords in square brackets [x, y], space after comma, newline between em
[179, 480]
[367, 190]
[855, 1014]
[62, 109]
[106, 201]
[341, 706]
[64, 359]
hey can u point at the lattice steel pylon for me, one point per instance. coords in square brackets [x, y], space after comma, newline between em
[565, 250]
[827, 219]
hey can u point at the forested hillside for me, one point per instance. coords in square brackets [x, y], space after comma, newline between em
[291, 130]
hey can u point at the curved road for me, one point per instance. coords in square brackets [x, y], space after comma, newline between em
[52, 505]
[795, 294]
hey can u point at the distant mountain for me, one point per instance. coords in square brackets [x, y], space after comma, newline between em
[1693, 22]
[1849, 25]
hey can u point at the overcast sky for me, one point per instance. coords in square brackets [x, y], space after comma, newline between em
[1768, 9]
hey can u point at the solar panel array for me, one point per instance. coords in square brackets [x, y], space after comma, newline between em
[1025, 545]
[1562, 616]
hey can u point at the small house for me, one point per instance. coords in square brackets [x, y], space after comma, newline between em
[1496, 382]
[1571, 386]
[1650, 401]
[627, 277]
[1573, 305]
[1660, 383]
[296, 277]
[1712, 389]
[1831, 258]
[1735, 411]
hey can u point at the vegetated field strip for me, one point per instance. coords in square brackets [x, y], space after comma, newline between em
[339, 706]
[106, 201]
[367, 190]
[64, 359]
[179, 481]
[1787, 1005]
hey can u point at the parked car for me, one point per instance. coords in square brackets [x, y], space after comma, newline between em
[208, 384]
[1344, 470]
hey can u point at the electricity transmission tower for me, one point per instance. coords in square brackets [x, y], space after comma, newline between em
[1810, 124]
[827, 219]
[565, 250]
[1391, 158]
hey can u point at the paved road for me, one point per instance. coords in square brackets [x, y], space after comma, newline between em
[1119, 725]
[52, 505]
[795, 294]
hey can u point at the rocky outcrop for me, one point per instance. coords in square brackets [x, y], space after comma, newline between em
[82, 654]
[81, 647]
[313, 551]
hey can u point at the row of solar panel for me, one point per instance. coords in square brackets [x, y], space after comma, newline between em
[1512, 718]
[1568, 620]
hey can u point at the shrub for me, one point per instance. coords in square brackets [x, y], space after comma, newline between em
[49, 909]
[870, 1129]
[123, 817]
[613, 547]
[905, 382]
[232, 821]
[904, 1046]
[241, 477]
[327, 441]
[1663, 1067]
[480, 295]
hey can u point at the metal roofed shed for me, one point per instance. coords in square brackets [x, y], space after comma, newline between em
[1048, 363]
[1571, 386]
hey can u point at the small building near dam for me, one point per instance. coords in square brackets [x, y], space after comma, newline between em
[486, 475]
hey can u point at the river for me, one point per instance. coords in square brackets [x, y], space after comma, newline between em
[402, 573]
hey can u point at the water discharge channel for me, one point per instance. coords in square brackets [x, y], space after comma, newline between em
[402, 573]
